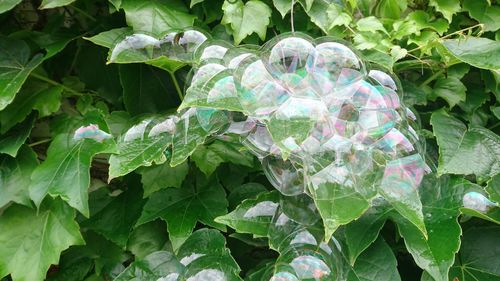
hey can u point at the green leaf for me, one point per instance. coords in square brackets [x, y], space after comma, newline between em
[244, 191]
[33, 240]
[377, 263]
[493, 188]
[146, 89]
[370, 24]
[33, 95]
[441, 199]
[451, 89]
[116, 220]
[163, 176]
[446, 7]
[283, 6]
[245, 19]
[49, 4]
[14, 182]
[14, 138]
[111, 37]
[362, 232]
[181, 208]
[156, 17]
[336, 17]
[15, 67]
[65, 172]
[253, 215]
[423, 20]
[465, 151]
[107, 256]
[148, 238]
[483, 12]
[192, 130]
[152, 267]
[478, 256]
[143, 144]
[8, 4]
[391, 8]
[208, 158]
[478, 52]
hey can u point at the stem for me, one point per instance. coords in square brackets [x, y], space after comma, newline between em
[291, 16]
[83, 13]
[52, 82]
[432, 77]
[177, 87]
[39, 142]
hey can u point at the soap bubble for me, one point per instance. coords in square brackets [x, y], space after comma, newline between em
[477, 201]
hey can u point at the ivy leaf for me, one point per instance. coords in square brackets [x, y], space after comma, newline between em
[14, 138]
[478, 52]
[245, 19]
[377, 263]
[146, 89]
[283, 6]
[441, 199]
[391, 8]
[65, 172]
[33, 95]
[111, 37]
[483, 12]
[148, 238]
[181, 208]
[446, 7]
[465, 151]
[253, 215]
[49, 4]
[493, 188]
[370, 24]
[116, 219]
[208, 158]
[337, 16]
[451, 89]
[33, 239]
[244, 191]
[8, 4]
[192, 130]
[163, 176]
[478, 256]
[152, 267]
[156, 16]
[14, 182]
[143, 144]
[15, 67]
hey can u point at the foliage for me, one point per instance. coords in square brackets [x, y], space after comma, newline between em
[116, 210]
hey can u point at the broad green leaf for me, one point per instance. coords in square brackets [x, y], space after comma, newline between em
[336, 16]
[143, 144]
[244, 191]
[209, 157]
[49, 4]
[478, 256]
[451, 89]
[446, 7]
[11, 141]
[33, 95]
[391, 8]
[116, 220]
[162, 176]
[152, 267]
[107, 256]
[377, 263]
[253, 215]
[324, 20]
[492, 215]
[202, 200]
[370, 24]
[245, 19]
[111, 37]
[441, 199]
[423, 20]
[15, 67]
[194, 2]
[148, 238]
[8, 4]
[483, 12]
[465, 151]
[192, 130]
[146, 89]
[72, 268]
[156, 17]
[478, 52]
[65, 172]
[338, 205]
[493, 188]
[283, 6]
[379, 57]
[15, 182]
[362, 232]
[33, 240]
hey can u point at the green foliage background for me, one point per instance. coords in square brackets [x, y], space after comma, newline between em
[110, 211]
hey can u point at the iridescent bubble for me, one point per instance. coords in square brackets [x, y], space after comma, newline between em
[477, 201]
[182, 44]
[289, 55]
[283, 175]
[135, 48]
